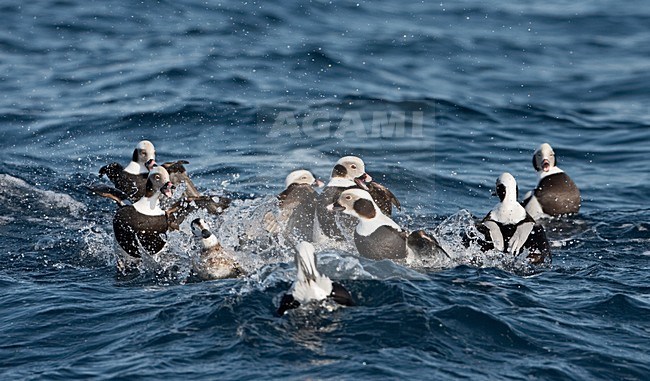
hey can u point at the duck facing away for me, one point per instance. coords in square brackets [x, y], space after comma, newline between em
[310, 285]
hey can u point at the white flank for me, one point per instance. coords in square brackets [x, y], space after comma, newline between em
[535, 209]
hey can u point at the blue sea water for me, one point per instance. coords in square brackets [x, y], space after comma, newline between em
[234, 87]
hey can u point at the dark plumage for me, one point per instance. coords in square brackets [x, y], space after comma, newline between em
[130, 184]
[509, 228]
[379, 237]
[555, 194]
[298, 202]
[131, 179]
[141, 227]
[349, 173]
[310, 285]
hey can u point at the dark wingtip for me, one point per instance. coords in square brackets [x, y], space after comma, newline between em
[287, 303]
[341, 295]
[109, 192]
[175, 166]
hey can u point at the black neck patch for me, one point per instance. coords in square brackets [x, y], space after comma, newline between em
[339, 171]
[149, 189]
[501, 191]
[537, 168]
[135, 155]
[364, 208]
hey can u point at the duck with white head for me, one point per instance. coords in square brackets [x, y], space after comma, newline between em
[378, 237]
[132, 179]
[348, 173]
[510, 229]
[556, 194]
[141, 227]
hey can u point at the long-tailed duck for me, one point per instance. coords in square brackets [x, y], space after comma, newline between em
[556, 194]
[141, 227]
[377, 236]
[214, 262]
[310, 284]
[509, 228]
[348, 173]
[132, 179]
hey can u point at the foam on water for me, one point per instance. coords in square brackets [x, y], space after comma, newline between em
[82, 82]
[18, 192]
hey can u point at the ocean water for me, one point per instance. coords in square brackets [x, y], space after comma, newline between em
[248, 91]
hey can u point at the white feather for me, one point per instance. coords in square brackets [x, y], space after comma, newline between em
[495, 235]
[136, 168]
[340, 182]
[366, 226]
[519, 238]
[508, 212]
[552, 171]
[535, 209]
[210, 242]
[149, 206]
[301, 176]
[545, 152]
[310, 285]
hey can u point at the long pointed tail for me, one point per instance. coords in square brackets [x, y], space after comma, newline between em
[310, 284]
[306, 262]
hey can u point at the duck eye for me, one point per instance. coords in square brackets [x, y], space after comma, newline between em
[348, 198]
[353, 166]
[157, 177]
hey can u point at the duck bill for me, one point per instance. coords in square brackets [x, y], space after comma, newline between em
[546, 165]
[167, 189]
[335, 207]
[318, 183]
[361, 184]
[150, 164]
